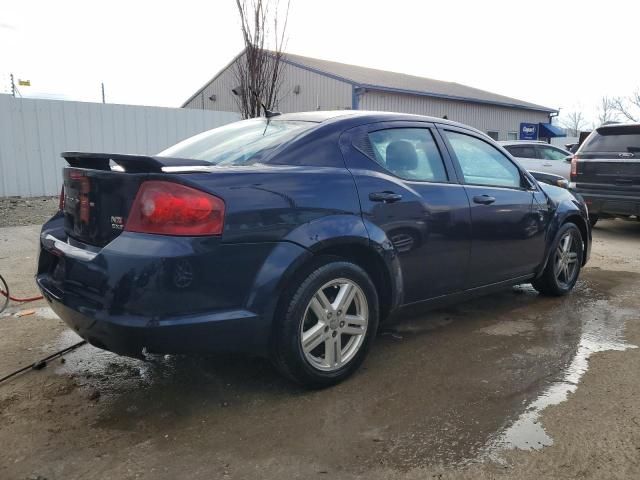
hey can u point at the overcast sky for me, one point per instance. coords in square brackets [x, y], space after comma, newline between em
[562, 54]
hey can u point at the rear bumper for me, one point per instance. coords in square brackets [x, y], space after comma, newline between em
[224, 331]
[610, 204]
[165, 294]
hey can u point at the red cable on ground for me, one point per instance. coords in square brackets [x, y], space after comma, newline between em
[21, 300]
[4, 292]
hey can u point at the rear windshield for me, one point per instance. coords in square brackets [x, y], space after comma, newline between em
[613, 140]
[239, 143]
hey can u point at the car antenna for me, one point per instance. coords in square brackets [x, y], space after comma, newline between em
[267, 113]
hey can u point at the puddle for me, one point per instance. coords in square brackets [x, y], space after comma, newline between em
[510, 327]
[117, 376]
[96, 366]
[602, 330]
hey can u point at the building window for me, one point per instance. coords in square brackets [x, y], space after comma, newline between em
[493, 134]
[512, 135]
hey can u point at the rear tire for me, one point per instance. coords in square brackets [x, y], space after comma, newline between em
[564, 263]
[593, 219]
[320, 340]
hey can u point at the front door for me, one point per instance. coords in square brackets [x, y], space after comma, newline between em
[409, 194]
[507, 227]
[554, 160]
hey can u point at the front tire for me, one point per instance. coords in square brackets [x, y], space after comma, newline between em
[325, 327]
[563, 266]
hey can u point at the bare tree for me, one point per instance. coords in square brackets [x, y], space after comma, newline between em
[574, 123]
[259, 70]
[606, 112]
[628, 107]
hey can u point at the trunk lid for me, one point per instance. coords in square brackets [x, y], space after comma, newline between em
[99, 190]
[96, 203]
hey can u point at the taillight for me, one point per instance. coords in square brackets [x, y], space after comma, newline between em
[61, 201]
[574, 166]
[169, 208]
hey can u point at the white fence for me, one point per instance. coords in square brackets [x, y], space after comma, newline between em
[33, 132]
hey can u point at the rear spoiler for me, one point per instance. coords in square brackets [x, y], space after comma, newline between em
[130, 163]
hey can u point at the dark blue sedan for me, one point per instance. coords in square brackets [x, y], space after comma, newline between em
[294, 237]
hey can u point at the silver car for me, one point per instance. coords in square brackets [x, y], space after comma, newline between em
[540, 156]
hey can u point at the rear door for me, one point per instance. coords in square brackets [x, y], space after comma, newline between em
[408, 189]
[508, 231]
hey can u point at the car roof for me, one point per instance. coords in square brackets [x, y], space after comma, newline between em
[523, 142]
[619, 127]
[366, 116]
[513, 143]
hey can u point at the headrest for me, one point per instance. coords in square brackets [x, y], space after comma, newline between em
[401, 156]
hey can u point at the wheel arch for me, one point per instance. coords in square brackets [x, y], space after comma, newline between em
[575, 217]
[381, 266]
[581, 223]
[369, 259]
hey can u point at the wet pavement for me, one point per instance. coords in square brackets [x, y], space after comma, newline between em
[455, 387]
[449, 387]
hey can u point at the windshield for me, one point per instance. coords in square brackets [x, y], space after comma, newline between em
[239, 143]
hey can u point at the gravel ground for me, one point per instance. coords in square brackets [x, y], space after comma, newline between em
[16, 211]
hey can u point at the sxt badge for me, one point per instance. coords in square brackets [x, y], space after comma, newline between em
[117, 223]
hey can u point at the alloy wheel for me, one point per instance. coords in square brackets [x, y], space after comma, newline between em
[566, 259]
[334, 325]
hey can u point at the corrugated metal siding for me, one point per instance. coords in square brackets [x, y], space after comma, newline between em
[321, 92]
[317, 92]
[221, 88]
[384, 79]
[33, 132]
[481, 116]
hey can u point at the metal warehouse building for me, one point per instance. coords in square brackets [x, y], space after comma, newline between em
[314, 84]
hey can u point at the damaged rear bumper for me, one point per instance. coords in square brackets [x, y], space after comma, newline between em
[222, 331]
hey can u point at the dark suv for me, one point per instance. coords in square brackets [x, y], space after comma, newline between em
[606, 172]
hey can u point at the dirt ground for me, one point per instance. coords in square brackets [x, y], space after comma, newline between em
[16, 211]
[512, 386]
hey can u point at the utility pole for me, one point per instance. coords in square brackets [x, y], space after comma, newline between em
[102, 84]
[13, 86]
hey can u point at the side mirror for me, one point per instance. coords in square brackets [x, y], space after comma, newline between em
[568, 158]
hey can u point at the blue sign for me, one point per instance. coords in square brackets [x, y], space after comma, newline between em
[528, 131]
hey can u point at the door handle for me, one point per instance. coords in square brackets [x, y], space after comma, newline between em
[548, 164]
[484, 199]
[385, 197]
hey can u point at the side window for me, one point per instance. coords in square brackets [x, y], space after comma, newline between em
[409, 153]
[481, 163]
[550, 153]
[522, 151]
